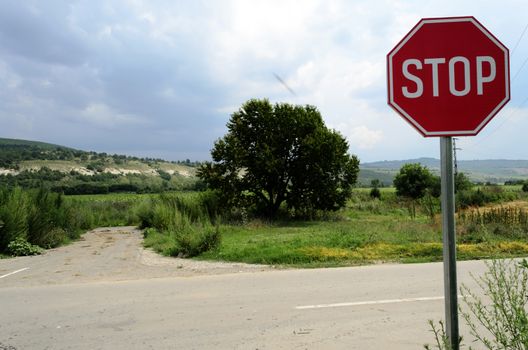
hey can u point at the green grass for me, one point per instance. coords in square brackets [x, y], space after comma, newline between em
[367, 231]
[325, 244]
[119, 197]
[512, 188]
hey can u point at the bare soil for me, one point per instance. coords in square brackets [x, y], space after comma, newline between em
[109, 254]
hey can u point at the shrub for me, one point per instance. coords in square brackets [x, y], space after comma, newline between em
[506, 318]
[44, 216]
[196, 239]
[145, 214]
[211, 204]
[375, 193]
[41, 217]
[188, 241]
[164, 175]
[21, 247]
[14, 215]
[479, 197]
[501, 323]
[179, 226]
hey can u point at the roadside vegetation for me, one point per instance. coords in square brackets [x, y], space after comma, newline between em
[368, 229]
[182, 226]
[36, 219]
[500, 321]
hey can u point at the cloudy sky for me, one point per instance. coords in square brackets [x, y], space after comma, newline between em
[161, 78]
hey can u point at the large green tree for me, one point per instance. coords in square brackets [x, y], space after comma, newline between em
[275, 154]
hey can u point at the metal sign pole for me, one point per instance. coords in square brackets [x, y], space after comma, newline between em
[448, 229]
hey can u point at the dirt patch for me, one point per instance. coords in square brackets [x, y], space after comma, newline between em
[110, 254]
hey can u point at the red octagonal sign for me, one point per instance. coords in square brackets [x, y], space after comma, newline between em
[448, 76]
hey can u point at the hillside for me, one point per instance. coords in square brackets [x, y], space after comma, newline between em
[489, 170]
[41, 145]
[31, 163]
[71, 168]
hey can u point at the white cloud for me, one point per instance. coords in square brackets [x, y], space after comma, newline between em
[101, 115]
[8, 78]
[188, 65]
[361, 137]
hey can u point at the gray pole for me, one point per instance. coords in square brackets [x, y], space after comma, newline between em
[448, 229]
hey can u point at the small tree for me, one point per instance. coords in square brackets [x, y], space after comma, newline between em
[462, 182]
[412, 182]
[525, 187]
[374, 191]
[281, 153]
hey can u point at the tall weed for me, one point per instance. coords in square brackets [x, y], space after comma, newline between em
[184, 222]
[14, 215]
[500, 321]
[46, 219]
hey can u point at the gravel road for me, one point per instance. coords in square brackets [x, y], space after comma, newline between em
[108, 254]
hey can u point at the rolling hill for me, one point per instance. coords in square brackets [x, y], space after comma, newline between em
[489, 170]
[19, 156]
[31, 164]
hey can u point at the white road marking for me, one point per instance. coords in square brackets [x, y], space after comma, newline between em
[12, 273]
[372, 302]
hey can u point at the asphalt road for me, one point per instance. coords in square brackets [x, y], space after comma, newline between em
[372, 307]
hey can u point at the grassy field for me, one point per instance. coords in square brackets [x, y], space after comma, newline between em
[112, 197]
[359, 237]
[366, 231]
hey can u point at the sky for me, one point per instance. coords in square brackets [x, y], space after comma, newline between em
[161, 78]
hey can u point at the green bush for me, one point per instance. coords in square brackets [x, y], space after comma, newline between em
[375, 193]
[145, 214]
[21, 247]
[506, 318]
[179, 226]
[45, 218]
[188, 241]
[40, 217]
[501, 321]
[482, 196]
[212, 205]
[193, 240]
[472, 233]
[14, 215]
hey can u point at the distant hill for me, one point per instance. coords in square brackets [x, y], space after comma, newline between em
[42, 145]
[489, 170]
[30, 164]
[19, 156]
[431, 163]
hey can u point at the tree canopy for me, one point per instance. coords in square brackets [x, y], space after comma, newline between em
[412, 181]
[282, 153]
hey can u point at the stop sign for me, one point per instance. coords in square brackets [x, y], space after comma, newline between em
[448, 76]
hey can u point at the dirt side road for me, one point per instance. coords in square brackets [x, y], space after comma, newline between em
[107, 254]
